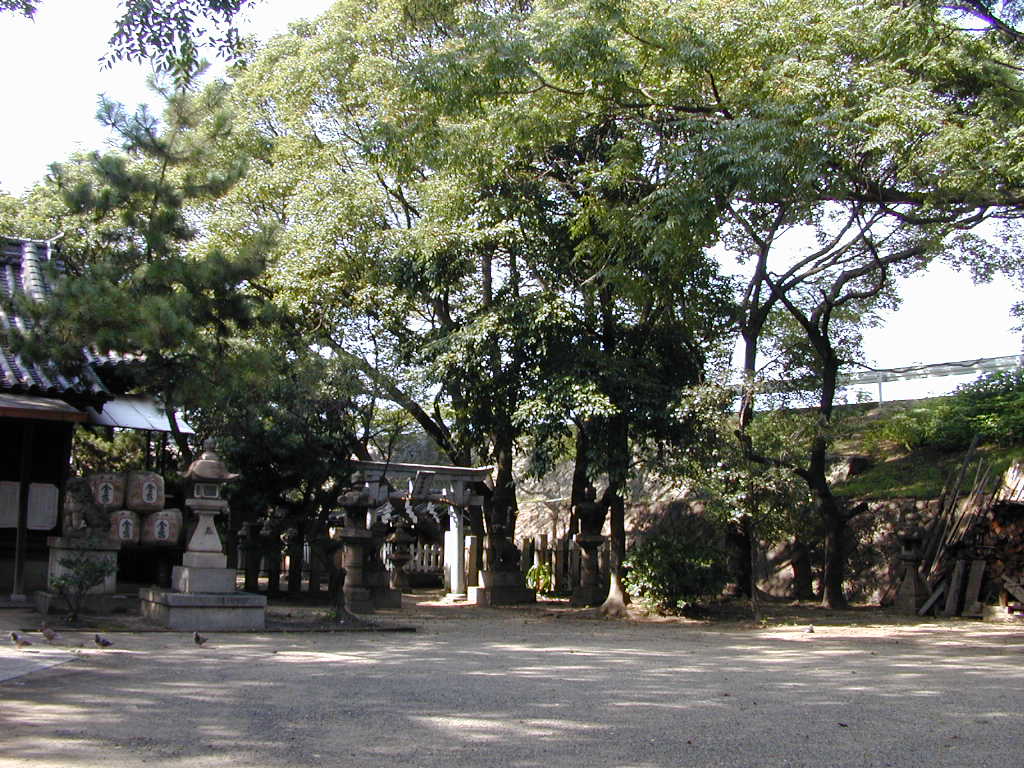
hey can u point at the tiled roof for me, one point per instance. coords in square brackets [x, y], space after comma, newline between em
[23, 272]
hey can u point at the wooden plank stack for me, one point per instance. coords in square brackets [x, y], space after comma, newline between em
[973, 552]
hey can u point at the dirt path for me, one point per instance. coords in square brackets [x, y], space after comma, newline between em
[545, 686]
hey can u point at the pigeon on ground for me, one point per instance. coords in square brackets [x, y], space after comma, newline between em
[198, 639]
[53, 637]
[101, 641]
[810, 629]
[19, 640]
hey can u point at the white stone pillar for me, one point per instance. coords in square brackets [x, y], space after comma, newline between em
[454, 555]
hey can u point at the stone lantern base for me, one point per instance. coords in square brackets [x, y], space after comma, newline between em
[500, 588]
[202, 596]
[204, 612]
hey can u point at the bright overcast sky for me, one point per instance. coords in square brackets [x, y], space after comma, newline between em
[49, 94]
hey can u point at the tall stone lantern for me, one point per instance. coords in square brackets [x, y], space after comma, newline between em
[203, 595]
[204, 564]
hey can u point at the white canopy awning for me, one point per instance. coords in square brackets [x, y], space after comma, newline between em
[136, 412]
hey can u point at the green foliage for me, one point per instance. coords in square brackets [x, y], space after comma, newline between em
[82, 574]
[95, 449]
[679, 562]
[920, 474]
[732, 486]
[991, 408]
[540, 578]
[927, 424]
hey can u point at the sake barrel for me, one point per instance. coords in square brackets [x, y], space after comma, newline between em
[124, 526]
[108, 489]
[163, 527]
[145, 491]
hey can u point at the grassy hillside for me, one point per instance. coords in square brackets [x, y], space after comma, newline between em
[899, 469]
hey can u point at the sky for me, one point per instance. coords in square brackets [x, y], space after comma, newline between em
[50, 109]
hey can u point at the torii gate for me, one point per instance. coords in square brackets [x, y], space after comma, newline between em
[455, 491]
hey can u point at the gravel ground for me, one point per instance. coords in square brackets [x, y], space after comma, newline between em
[526, 687]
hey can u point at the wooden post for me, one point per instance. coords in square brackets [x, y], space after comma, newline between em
[315, 575]
[972, 602]
[274, 565]
[295, 561]
[956, 584]
[21, 536]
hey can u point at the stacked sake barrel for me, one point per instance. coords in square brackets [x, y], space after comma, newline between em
[135, 502]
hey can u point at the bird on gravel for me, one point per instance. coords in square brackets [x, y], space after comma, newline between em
[198, 639]
[810, 629]
[53, 637]
[101, 641]
[19, 640]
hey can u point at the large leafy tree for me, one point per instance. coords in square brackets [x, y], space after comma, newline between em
[525, 272]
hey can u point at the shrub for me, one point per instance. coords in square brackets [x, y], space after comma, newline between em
[679, 562]
[991, 407]
[540, 578]
[81, 574]
[941, 424]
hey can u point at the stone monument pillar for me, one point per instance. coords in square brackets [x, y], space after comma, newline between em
[202, 595]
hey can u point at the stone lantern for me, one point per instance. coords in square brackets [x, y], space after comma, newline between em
[913, 592]
[204, 564]
[203, 595]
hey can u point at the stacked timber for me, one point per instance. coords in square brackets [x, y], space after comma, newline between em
[974, 549]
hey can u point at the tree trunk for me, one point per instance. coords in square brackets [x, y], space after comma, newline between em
[615, 604]
[618, 442]
[740, 555]
[295, 558]
[817, 478]
[803, 586]
[503, 502]
[835, 556]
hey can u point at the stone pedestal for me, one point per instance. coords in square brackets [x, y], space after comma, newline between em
[588, 592]
[358, 598]
[375, 574]
[99, 599]
[500, 588]
[913, 593]
[501, 582]
[232, 612]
